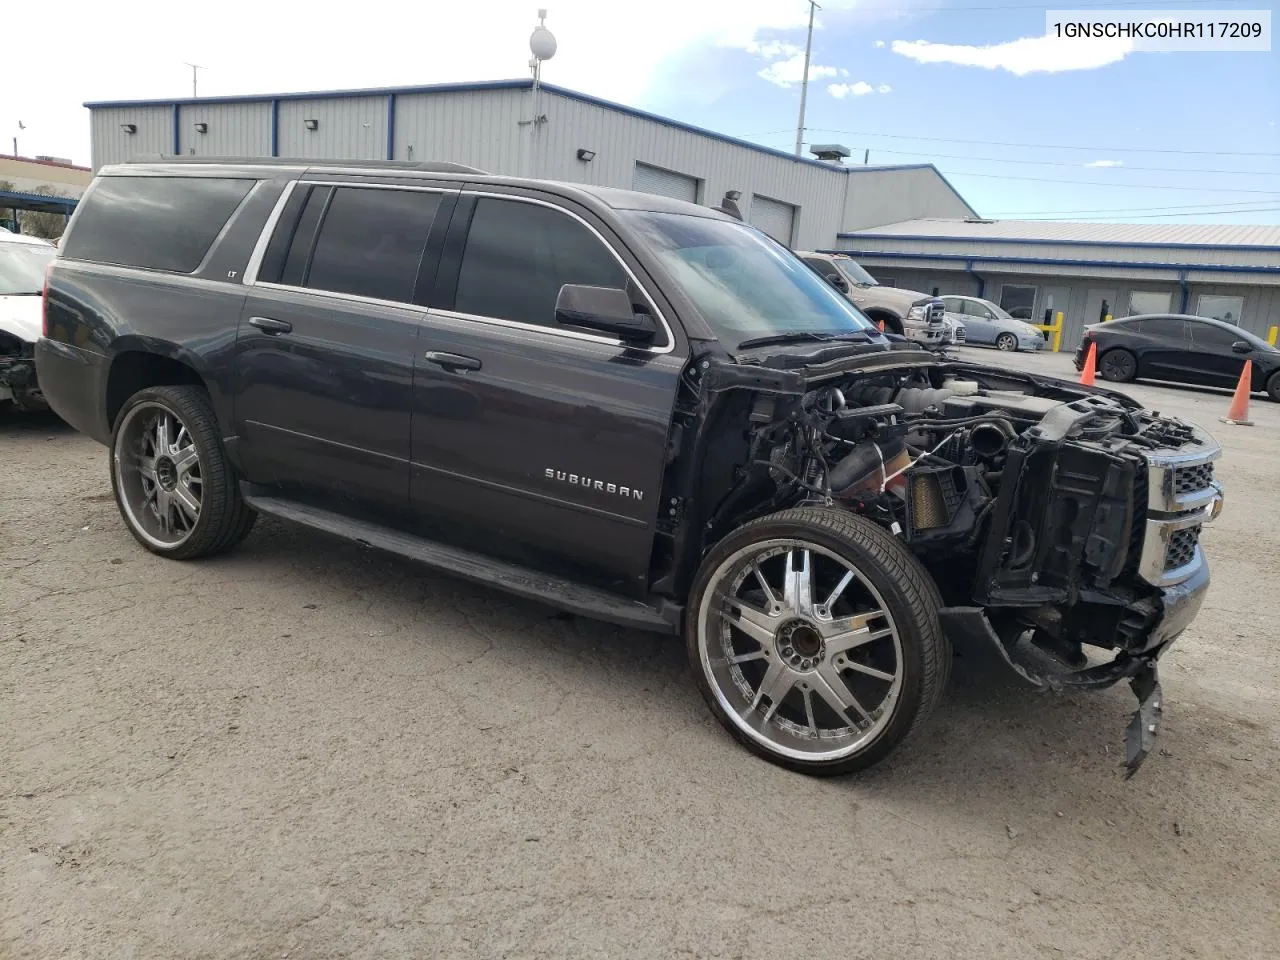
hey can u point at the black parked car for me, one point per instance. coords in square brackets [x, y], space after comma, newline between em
[1182, 349]
[627, 406]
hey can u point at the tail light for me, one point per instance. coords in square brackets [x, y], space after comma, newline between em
[44, 302]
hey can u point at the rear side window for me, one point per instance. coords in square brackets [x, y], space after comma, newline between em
[161, 223]
[371, 242]
[1163, 327]
[519, 255]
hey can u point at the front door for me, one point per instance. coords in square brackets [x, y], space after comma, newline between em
[325, 347]
[1216, 362]
[549, 443]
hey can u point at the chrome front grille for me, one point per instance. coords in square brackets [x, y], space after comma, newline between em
[934, 311]
[1181, 496]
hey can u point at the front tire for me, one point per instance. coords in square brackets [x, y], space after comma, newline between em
[815, 639]
[1007, 342]
[1273, 386]
[172, 483]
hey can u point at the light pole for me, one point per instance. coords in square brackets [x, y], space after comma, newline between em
[804, 81]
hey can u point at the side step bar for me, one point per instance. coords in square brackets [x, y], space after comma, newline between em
[521, 581]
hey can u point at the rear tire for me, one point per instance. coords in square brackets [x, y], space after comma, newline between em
[815, 640]
[1118, 365]
[172, 483]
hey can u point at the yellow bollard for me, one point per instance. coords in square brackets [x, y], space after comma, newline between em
[1271, 335]
[1055, 329]
[1107, 318]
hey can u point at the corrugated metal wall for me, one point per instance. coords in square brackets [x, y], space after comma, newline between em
[479, 128]
[110, 144]
[350, 128]
[620, 139]
[877, 197]
[235, 129]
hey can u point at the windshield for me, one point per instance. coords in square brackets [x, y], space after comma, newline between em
[744, 284]
[854, 273]
[22, 267]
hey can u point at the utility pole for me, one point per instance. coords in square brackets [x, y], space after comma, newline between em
[194, 67]
[804, 81]
[21, 126]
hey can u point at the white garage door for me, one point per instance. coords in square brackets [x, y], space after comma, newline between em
[666, 183]
[775, 218]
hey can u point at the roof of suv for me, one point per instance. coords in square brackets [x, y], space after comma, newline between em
[613, 197]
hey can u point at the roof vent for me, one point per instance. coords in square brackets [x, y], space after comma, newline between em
[831, 152]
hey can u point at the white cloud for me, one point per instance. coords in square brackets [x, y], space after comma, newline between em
[786, 73]
[878, 44]
[1105, 163]
[859, 89]
[1047, 54]
[845, 73]
[450, 43]
[884, 88]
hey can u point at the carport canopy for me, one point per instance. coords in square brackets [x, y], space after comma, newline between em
[36, 202]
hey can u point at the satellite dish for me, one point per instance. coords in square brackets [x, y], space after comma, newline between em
[542, 43]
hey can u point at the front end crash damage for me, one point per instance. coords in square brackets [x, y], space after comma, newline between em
[18, 374]
[1060, 523]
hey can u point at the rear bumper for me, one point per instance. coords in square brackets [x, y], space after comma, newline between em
[73, 382]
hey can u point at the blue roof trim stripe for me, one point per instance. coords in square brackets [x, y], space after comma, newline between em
[1120, 264]
[524, 85]
[1139, 244]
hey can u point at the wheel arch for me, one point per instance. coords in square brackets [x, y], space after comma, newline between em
[138, 363]
[892, 321]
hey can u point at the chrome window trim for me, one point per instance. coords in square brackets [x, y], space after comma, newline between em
[260, 248]
[273, 220]
[573, 334]
[257, 188]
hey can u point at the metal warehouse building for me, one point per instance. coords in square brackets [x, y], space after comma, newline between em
[905, 223]
[1088, 271]
[802, 202]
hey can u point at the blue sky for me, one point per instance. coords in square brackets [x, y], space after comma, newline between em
[903, 69]
[1114, 116]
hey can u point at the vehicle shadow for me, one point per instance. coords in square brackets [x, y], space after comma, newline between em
[25, 423]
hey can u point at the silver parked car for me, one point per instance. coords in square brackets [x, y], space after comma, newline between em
[989, 324]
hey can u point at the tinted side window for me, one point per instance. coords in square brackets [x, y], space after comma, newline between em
[1173, 329]
[161, 223]
[1211, 336]
[371, 242]
[519, 255]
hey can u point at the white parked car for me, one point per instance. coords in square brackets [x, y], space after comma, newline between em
[22, 267]
[989, 324]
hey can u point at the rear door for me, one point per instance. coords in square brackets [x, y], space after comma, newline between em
[326, 342]
[548, 443]
[1167, 349]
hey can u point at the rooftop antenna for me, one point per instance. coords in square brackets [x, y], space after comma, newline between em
[194, 67]
[804, 82]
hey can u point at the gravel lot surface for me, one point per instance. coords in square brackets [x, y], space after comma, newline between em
[309, 749]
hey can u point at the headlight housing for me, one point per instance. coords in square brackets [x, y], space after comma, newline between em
[916, 312]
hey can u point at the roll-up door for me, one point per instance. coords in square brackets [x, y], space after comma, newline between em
[666, 183]
[775, 218]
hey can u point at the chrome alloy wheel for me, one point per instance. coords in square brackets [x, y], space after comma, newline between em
[800, 650]
[158, 475]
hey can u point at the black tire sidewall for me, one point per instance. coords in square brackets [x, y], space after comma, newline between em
[1273, 386]
[911, 701]
[1005, 338]
[1118, 352]
[190, 405]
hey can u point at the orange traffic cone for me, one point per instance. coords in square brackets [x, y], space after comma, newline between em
[1238, 412]
[881, 325]
[1086, 376]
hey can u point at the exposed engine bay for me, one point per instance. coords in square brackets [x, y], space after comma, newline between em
[1060, 523]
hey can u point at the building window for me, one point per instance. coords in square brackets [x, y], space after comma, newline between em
[1226, 309]
[1018, 299]
[886, 281]
[1148, 301]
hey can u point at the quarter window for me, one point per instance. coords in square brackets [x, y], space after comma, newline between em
[371, 242]
[519, 255]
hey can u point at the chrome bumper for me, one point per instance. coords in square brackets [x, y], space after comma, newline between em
[1182, 496]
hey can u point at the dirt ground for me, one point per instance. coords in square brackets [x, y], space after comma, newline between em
[308, 749]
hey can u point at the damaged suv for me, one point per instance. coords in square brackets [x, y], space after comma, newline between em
[629, 407]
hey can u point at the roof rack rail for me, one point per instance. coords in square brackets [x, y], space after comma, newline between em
[428, 166]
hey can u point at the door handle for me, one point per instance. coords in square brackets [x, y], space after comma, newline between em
[452, 361]
[268, 325]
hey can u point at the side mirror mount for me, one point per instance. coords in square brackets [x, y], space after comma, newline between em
[606, 309]
[1242, 346]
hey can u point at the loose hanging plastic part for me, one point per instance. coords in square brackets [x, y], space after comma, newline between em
[1086, 377]
[1238, 412]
